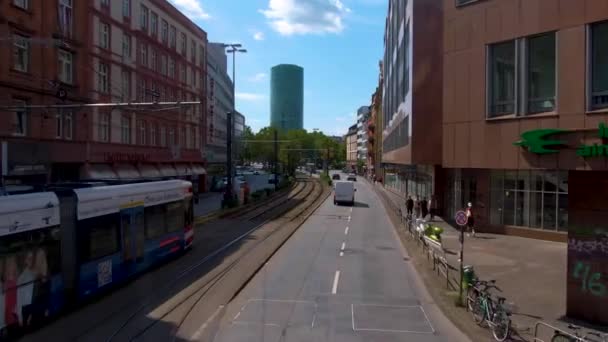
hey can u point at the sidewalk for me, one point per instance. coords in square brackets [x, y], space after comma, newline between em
[531, 273]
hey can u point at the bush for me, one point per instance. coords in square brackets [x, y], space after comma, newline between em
[325, 178]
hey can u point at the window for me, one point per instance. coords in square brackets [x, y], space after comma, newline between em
[143, 54]
[102, 80]
[154, 60]
[126, 45]
[20, 121]
[599, 65]
[153, 134]
[64, 124]
[125, 130]
[163, 65]
[65, 17]
[502, 78]
[126, 8]
[125, 80]
[193, 137]
[104, 127]
[182, 73]
[154, 221]
[175, 216]
[66, 66]
[104, 35]
[171, 136]
[171, 67]
[154, 23]
[21, 3]
[541, 73]
[102, 237]
[59, 125]
[143, 18]
[105, 3]
[164, 31]
[21, 57]
[141, 89]
[142, 132]
[183, 42]
[163, 136]
[193, 51]
[172, 36]
[182, 137]
[201, 56]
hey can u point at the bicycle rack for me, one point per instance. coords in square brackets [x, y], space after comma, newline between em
[553, 330]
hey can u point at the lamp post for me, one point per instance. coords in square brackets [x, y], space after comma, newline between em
[233, 49]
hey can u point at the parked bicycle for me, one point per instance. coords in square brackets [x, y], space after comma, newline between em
[486, 309]
[577, 336]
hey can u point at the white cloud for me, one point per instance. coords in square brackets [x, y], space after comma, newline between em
[249, 96]
[289, 17]
[259, 35]
[191, 8]
[260, 76]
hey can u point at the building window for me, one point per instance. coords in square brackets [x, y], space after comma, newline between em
[193, 137]
[201, 56]
[21, 58]
[65, 17]
[171, 136]
[164, 31]
[599, 65]
[105, 3]
[172, 36]
[502, 78]
[104, 35]
[193, 51]
[142, 132]
[541, 73]
[163, 136]
[183, 42]
[142, 89]
[153, 134]
[125, 130]
[182, 137]
[64, 125]
[58, 125]
[21, 4]
[163, 65]
[182, 73]
[144, 54]
[20, 120]
[126, 8]
[154, 23]
[104, 127]
[125, 79]
[65, 66]
[126, 45]
[143, 18]
[103, 74]
[171, 67]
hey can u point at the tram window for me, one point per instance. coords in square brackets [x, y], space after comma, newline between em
[188, 212]
[37, 251]
[155, 221]
[101, 236]
[175, 216]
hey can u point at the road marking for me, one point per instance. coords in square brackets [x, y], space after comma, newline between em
[314, 318]
[351, 210]
[343, 246]
[346, 231]
[237, 315]
[352, 315]
[334, 288]
[197, 334]
[341, 253]
[348, 218]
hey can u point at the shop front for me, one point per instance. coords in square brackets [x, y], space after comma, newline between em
[418, 181]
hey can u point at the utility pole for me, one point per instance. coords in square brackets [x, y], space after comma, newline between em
[276, 159]
[228, 193]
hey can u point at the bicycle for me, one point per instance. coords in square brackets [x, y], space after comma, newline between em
[485, 309]
[559, 336]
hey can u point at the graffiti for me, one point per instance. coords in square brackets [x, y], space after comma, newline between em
[589, 247]
[590, 281]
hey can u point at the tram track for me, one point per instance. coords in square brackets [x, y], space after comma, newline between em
[136, 327]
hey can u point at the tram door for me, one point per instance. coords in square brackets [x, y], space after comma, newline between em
[132, 233]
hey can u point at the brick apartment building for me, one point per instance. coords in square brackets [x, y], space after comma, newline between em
[100, 51]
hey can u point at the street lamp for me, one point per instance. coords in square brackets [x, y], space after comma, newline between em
[233, 49]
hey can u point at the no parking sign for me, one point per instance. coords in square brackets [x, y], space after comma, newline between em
[461, 218]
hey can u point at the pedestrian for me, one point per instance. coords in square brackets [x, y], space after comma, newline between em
[470, 219]
[433, 207]
[417, 207]
[424, 209]
[409, 205]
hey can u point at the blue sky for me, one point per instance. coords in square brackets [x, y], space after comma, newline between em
[337, 42]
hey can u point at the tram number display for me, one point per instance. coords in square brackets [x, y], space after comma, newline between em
[104, 273]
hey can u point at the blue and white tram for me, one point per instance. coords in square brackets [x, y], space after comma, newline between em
[62, 247]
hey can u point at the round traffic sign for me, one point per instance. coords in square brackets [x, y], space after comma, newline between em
[461, 218]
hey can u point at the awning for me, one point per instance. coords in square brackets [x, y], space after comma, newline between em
[183, 170]
[127, 171]
[97, 172]
[167, 170]
[149, 171]
[198, 169]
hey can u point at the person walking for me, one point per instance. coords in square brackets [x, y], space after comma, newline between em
[433, 207]
[424, 208]
[470, 219]
[417, 207]
[409, 205]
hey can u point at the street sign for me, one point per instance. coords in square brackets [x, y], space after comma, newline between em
[461, 218]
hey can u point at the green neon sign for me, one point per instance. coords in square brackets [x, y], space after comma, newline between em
[539, 141]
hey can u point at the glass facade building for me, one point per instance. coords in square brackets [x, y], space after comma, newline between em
[287, 97]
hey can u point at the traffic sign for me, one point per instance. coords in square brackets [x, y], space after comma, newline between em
[461, 218]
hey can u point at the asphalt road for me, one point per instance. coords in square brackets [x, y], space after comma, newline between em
[343, 276]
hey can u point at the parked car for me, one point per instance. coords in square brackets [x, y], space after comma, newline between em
[344, 192]
[352, 177]
[335, 176]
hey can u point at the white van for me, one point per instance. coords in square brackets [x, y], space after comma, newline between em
[344, 192]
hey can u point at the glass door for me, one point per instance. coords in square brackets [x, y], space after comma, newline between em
[132, 233]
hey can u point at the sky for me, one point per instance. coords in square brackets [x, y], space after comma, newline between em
[338, 43]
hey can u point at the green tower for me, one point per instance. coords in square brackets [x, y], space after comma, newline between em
[287, 97]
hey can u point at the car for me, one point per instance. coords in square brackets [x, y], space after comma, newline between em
[344, 192]
[352, 177]
[335, 176]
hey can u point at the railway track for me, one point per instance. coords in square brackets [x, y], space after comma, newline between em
[179, 308]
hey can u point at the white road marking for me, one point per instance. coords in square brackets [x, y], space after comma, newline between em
[334, 288]
[352, 315]
[237, 315]
[197, 334]
[348, 218]
[351, 210]
[314, 318]
[346, 231]
[343, 246]
[341, 253]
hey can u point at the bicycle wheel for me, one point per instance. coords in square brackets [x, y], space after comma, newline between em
[472, 294]
[478, 310]
[558, 337]
[501, 326]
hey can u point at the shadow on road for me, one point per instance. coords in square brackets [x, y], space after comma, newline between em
[360, 205]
